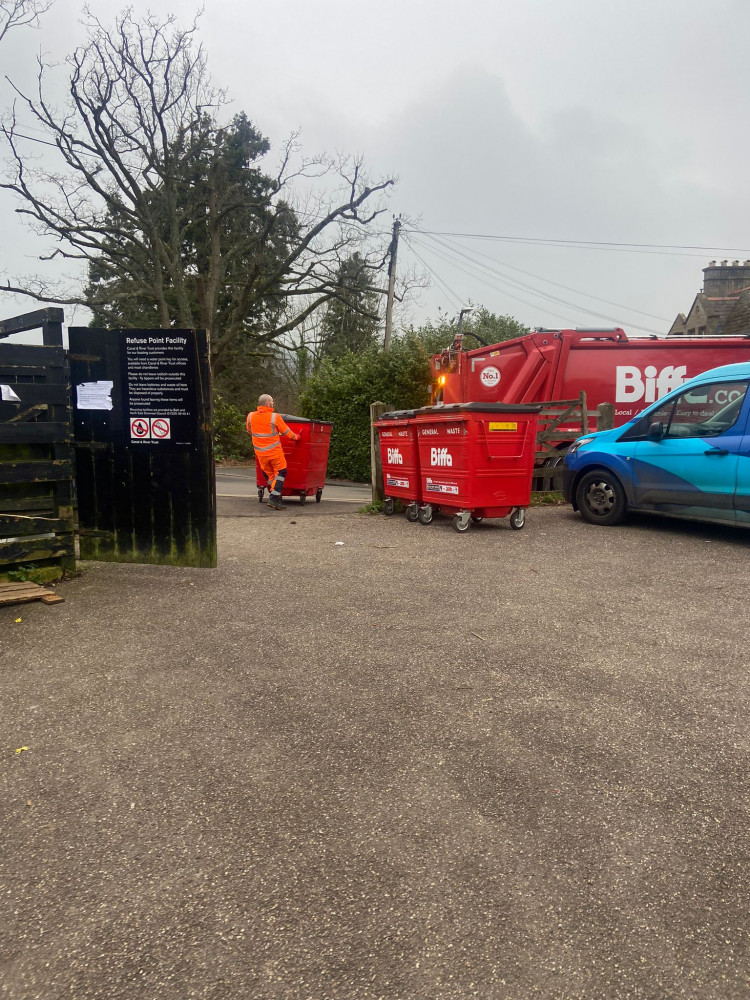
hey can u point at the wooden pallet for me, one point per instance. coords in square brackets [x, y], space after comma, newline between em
[20, 593]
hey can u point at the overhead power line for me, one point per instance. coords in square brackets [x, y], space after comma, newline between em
[476, 272]
[473, 255]
[590, 244]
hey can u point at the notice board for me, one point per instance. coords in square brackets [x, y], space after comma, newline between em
[144, 445]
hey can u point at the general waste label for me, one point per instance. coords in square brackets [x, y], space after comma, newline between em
[507, 425]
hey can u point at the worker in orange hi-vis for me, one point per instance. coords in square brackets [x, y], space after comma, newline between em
[266, 428]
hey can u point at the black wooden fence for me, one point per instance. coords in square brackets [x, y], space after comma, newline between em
[36, 453]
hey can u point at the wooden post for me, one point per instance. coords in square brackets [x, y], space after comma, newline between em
[376, 466]
[584, 413]
[605, 416]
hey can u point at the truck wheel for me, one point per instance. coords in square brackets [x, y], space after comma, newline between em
[518, 518]
[388, 506]
[601, 498]
[425, 514]
[462, 522]
[318, 494]
[412, 512]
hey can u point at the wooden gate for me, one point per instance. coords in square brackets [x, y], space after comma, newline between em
[36, 453]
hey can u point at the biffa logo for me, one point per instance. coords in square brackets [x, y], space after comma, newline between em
[395, 457]
[440, 456]
[633, 385]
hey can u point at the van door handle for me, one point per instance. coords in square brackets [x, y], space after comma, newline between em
[716, 451]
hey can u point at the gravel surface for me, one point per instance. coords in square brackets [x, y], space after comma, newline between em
[506, 764]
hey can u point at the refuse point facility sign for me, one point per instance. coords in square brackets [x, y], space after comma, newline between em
[158, 378]
[144, 446]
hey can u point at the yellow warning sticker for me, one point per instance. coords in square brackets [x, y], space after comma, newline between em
[508, 426]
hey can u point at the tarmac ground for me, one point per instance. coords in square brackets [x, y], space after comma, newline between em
[370, 759]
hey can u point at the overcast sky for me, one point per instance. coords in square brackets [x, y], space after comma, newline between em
[537, 120]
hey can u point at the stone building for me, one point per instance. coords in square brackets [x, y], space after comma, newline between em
[723, 307]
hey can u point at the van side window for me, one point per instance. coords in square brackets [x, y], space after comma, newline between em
[705, 411]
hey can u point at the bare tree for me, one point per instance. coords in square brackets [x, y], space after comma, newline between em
[169, 210]
[19, 13]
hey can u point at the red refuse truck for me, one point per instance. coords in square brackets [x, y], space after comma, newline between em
[549, 365]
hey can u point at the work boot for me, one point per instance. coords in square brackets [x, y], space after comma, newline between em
[275, 502]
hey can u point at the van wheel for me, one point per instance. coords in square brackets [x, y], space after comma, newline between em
[601, 498]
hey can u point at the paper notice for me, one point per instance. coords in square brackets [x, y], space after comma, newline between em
[7, 395]
[94, 396]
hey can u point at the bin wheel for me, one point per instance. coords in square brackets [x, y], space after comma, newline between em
[412, 513]
[425, 514]
[303, 498]
[388, 506]
[462, 522]
[260, 495]
[477, 518]
[318, 494]
[518, 518]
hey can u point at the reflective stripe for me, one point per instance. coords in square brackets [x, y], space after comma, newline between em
[256, 435]
[268, 447]
[273, 421]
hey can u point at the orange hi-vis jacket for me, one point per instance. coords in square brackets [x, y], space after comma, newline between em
[266, 428]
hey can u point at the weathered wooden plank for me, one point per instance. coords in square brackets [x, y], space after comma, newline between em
[36, 549]
[42, 503]
[34, 433]
[26, 356]
[43, 471]
[21, 593]
[20, 524]
[31, 321]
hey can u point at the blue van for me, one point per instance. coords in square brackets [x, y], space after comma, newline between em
[686, 455]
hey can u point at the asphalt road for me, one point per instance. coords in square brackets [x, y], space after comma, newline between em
[237, 496]
[505, 765]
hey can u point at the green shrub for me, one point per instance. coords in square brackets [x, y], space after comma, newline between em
[341, 390]
[231, 440]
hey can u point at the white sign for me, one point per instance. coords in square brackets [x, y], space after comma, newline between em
[140, 428]
[161, 429]
[490, 377]
[7, 395]
[434, 486]
[94, 396]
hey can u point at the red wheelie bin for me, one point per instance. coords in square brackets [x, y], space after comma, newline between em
[476, 461]
[400, 459]
[306, 459]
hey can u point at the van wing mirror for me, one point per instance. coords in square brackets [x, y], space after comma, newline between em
[656, 431]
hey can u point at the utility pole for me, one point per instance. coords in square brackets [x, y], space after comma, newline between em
[391, 285]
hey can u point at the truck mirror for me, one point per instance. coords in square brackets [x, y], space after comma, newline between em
[656, 431]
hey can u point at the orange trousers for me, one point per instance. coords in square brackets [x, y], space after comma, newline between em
[273, 466]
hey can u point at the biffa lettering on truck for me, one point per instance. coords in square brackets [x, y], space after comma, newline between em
[686, 455]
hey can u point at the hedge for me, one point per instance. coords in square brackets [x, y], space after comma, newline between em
[342, 389]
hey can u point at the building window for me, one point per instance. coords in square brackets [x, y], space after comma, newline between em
[701, 331]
